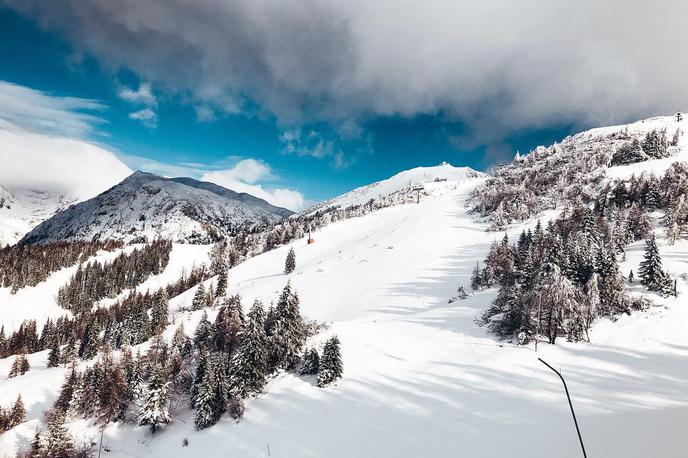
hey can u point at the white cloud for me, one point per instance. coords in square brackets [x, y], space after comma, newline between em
[245, 175]
[147, 117]
[32, 110]
[58, 164]
[143, 95]
[41, 148]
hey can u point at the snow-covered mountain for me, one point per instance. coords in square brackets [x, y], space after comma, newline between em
[21, 210]
[405, 182]
[420, 377]
[146, 206]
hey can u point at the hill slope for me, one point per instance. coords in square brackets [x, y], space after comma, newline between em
[420, 379]
[146, 206]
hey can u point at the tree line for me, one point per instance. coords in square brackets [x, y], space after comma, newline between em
[95, 280]
[28, 265]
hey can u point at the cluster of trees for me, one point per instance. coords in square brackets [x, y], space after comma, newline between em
[12, 416]
[95, 280]
[558, 280]
[223, 363]
[555, 176]
[655, 145]
[28, 265]
[20, 366]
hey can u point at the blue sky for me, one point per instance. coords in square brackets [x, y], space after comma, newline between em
[314, 132]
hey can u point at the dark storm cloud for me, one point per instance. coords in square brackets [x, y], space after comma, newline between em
[500, 65]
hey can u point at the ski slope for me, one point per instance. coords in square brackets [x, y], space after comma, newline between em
[420, 378]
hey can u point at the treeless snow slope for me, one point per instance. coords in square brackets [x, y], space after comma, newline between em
[420, 379]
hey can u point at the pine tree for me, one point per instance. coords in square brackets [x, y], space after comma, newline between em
[290, 263]
[54, 355]
[651, 273]
[199, 299]
[90, 341]
[159, 312]
[155, 408]
[311, 362]
[65, 396]
[18, 413]
[221, 285]
[289, 332]
[69, 352]
[209, 400]
[203, 332]
[331, 367]
[112, 395]
[56, 441]
[249, 364]
[476, 278]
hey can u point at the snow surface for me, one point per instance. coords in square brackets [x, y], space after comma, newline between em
[402, 181]
[420, 378]
[21, 210]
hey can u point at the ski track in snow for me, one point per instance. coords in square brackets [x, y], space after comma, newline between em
[420, 378]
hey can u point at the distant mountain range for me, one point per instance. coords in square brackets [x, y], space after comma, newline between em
[145, 206]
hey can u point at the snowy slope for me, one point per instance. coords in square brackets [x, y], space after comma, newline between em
[146, 206]
[404, 181]
[420, 379]
[21, 210]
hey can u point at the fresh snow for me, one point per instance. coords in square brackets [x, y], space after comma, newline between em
[420, 378]
[402, 181]
[21, 210]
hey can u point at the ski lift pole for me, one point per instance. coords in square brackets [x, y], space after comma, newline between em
[575, 422]
[418, 189]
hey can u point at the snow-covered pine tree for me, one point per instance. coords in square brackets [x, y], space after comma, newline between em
[652, 274]
[476, 277]
[290, 262]
[154, 410]
[289, 332]
[221, 284]
[56, 441]
[90, 341]
[555, 295]
[54, 355]
[199, 300]
[17, 414]
[205, 402]
[249, 365]
[112, 395]
[203, 332]
[310, 362]
[69, 352]
[159, 311]
[63, 399]
[199, 373]
[331, 367]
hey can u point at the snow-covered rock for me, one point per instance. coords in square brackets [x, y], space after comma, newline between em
[146, 206]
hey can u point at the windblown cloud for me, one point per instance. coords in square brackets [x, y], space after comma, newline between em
[41, 146]
[37, 111]
[500, 65]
